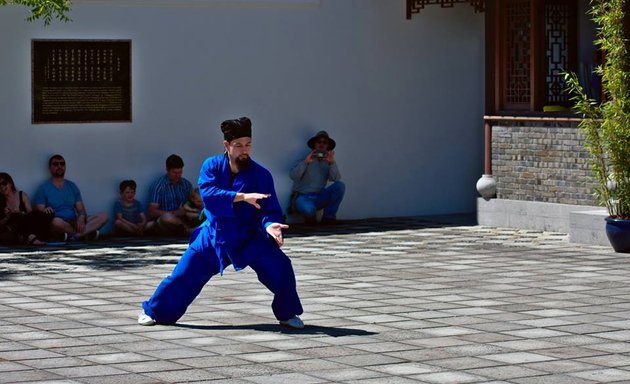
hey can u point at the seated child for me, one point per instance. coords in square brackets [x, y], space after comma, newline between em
[193, 210]
[130, 219]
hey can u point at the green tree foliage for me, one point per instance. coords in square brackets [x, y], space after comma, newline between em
[44, 9]
[606, 126]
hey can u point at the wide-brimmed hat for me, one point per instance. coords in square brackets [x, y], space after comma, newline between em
[318, 135]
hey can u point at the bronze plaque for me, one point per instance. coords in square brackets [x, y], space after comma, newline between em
[81, 81]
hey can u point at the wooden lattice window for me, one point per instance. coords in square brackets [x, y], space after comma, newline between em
[535, 41]
[517, 74]
[560, 48]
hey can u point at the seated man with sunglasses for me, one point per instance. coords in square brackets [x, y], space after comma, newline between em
[62, 198]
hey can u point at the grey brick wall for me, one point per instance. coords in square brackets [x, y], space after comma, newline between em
[534, 162]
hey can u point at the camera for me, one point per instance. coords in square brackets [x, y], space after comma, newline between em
[320, 154]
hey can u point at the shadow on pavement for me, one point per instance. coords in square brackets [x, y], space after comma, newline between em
[100, 255]
[122, 253]
[385, 224]
[307, 330]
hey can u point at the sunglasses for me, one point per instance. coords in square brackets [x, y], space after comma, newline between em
[58, 164]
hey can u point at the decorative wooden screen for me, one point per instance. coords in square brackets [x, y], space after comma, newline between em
[414, 6]
[516, 46]
[560, 49]
[536, 43]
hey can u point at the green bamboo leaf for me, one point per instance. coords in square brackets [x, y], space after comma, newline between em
[46, 10]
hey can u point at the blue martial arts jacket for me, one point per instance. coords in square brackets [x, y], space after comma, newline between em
[230, 226]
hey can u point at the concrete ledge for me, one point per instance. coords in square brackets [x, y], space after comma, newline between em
[584, 224]
[588, 227]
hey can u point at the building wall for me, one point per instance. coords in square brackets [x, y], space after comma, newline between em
[534, 162]
[400, 97]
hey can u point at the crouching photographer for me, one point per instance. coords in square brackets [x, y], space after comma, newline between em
[310, 176]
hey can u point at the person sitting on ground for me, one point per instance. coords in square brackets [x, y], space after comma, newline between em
[310, 176]
[167, 194]
[19, 223]
[62, 198]
[194, 215]
[130, 219]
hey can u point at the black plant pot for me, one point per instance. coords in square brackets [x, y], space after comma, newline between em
[618, 232]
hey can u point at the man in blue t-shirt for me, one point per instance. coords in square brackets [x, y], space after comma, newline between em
[62, 198]
[167, 195]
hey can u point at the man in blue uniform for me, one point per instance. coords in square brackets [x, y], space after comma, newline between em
[243, 228]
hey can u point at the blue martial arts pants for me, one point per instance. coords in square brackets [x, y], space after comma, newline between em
[198, 264]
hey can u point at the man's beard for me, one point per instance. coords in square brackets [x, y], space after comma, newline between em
[243, 163]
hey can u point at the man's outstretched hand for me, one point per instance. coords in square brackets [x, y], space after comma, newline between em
[275, 230]
[251, 198]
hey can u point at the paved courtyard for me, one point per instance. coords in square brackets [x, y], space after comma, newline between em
[408, 300]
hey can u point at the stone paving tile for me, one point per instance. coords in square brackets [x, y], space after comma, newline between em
[286, 378]
[384, 380]
[404, 300]
[505, 372]
[555, 379]
[153, 365]
[184, 376]
[561, 366]
[403, 369]
[247, 370]
[571, 352]
[517, 357]
[612, 347]
[86, 371]
[615, 360]
[347, 374]
[447, 377]
[603, 375]
[55, 362]
[462, 363]
[6, 366]
[29, 376]
[128, 378]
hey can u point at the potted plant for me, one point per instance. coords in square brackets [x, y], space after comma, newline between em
[606, 125]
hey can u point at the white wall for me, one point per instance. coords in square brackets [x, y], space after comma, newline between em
[402, 98]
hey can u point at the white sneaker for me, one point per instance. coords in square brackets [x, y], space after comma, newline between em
[294, 322]
[144, 319]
